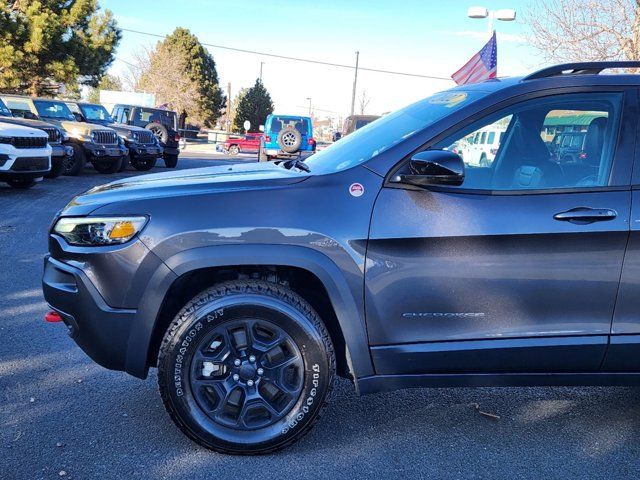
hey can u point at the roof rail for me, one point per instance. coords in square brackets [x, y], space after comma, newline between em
[581, 68]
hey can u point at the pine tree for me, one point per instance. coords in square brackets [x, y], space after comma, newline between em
[254, 105]
[45, 44]
[182, 73]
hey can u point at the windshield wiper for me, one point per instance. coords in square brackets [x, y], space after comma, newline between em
[297, 163]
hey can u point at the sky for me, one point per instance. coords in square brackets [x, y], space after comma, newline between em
[428, 37]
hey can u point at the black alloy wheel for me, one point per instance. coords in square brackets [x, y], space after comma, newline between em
[246, 367]
[247, 374]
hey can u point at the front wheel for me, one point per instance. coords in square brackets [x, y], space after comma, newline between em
[57, 169]
[143, 165]
[245, 368]
[124, 164]
[234, 150]
[108, 165]
[171, 161]
[74, 165]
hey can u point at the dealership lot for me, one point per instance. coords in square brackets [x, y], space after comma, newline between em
[63, 416]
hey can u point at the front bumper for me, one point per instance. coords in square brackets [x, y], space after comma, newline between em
[96, 151]
[100, 330]
[24, 163]
[144, 152]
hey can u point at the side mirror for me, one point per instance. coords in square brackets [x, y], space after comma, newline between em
[433, 167]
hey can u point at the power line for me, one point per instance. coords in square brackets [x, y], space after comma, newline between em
[298, 59]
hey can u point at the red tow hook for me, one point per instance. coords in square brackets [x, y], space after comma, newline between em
[52, 317]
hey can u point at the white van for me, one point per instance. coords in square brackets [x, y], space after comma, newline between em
[25, 155]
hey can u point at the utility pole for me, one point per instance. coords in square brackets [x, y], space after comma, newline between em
[355, 82]
[229, 107]
[308, 98]
[261, 64]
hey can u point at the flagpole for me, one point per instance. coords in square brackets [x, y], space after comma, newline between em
[490, 23]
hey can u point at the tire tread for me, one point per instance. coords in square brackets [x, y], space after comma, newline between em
[235, 287]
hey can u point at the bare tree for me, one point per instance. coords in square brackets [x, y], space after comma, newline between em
[364, 101]
[585, 30]
[141, 62]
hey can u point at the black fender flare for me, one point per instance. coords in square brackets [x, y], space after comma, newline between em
[349, 310]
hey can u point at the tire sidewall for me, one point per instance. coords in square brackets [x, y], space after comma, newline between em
[79, 160]
[194, 327]
[292, 148]
[164, 133]
[170, 161]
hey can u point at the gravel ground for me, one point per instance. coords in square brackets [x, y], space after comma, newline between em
[62, 416]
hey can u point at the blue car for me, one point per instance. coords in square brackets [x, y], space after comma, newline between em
[286, 136]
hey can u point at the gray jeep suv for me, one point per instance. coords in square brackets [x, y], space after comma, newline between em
[384, 259]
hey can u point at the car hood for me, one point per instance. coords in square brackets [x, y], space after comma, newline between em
[26, 122]
[122, 128]
[197, 181]
[11, 129]
[80, 128]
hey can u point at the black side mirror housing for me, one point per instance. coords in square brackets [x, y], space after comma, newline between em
[433, 167]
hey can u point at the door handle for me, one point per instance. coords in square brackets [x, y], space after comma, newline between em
[582, 215]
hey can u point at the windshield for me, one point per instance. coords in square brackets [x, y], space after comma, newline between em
[376, 137]
[4, 111]
[51, 109]
[96, 113]
[278, 123]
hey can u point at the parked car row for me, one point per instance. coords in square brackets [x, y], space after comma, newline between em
[42, 137]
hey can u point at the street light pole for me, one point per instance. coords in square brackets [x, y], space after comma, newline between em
[504, 14]
[355, 82]
[309, 98]
[261, 64]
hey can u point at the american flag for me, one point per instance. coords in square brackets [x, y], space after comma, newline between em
[481, 66]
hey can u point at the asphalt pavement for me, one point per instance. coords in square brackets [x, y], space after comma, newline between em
[62, 416]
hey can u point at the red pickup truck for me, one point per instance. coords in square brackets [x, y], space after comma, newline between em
[249, 143]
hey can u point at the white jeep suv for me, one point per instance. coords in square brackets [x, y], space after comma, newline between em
[25, 155]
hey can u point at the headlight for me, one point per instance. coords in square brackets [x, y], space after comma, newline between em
[97, 231]
[134, 136]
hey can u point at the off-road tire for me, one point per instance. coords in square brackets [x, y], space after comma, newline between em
[220, 308]
[170, 160]
[126, 161]
[143, 165]
[159, 130]
[21, 184]
[57, 169]
[75, 165]
[107, 166]
[289, 140]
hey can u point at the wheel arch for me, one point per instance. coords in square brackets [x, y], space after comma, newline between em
[201, 267]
